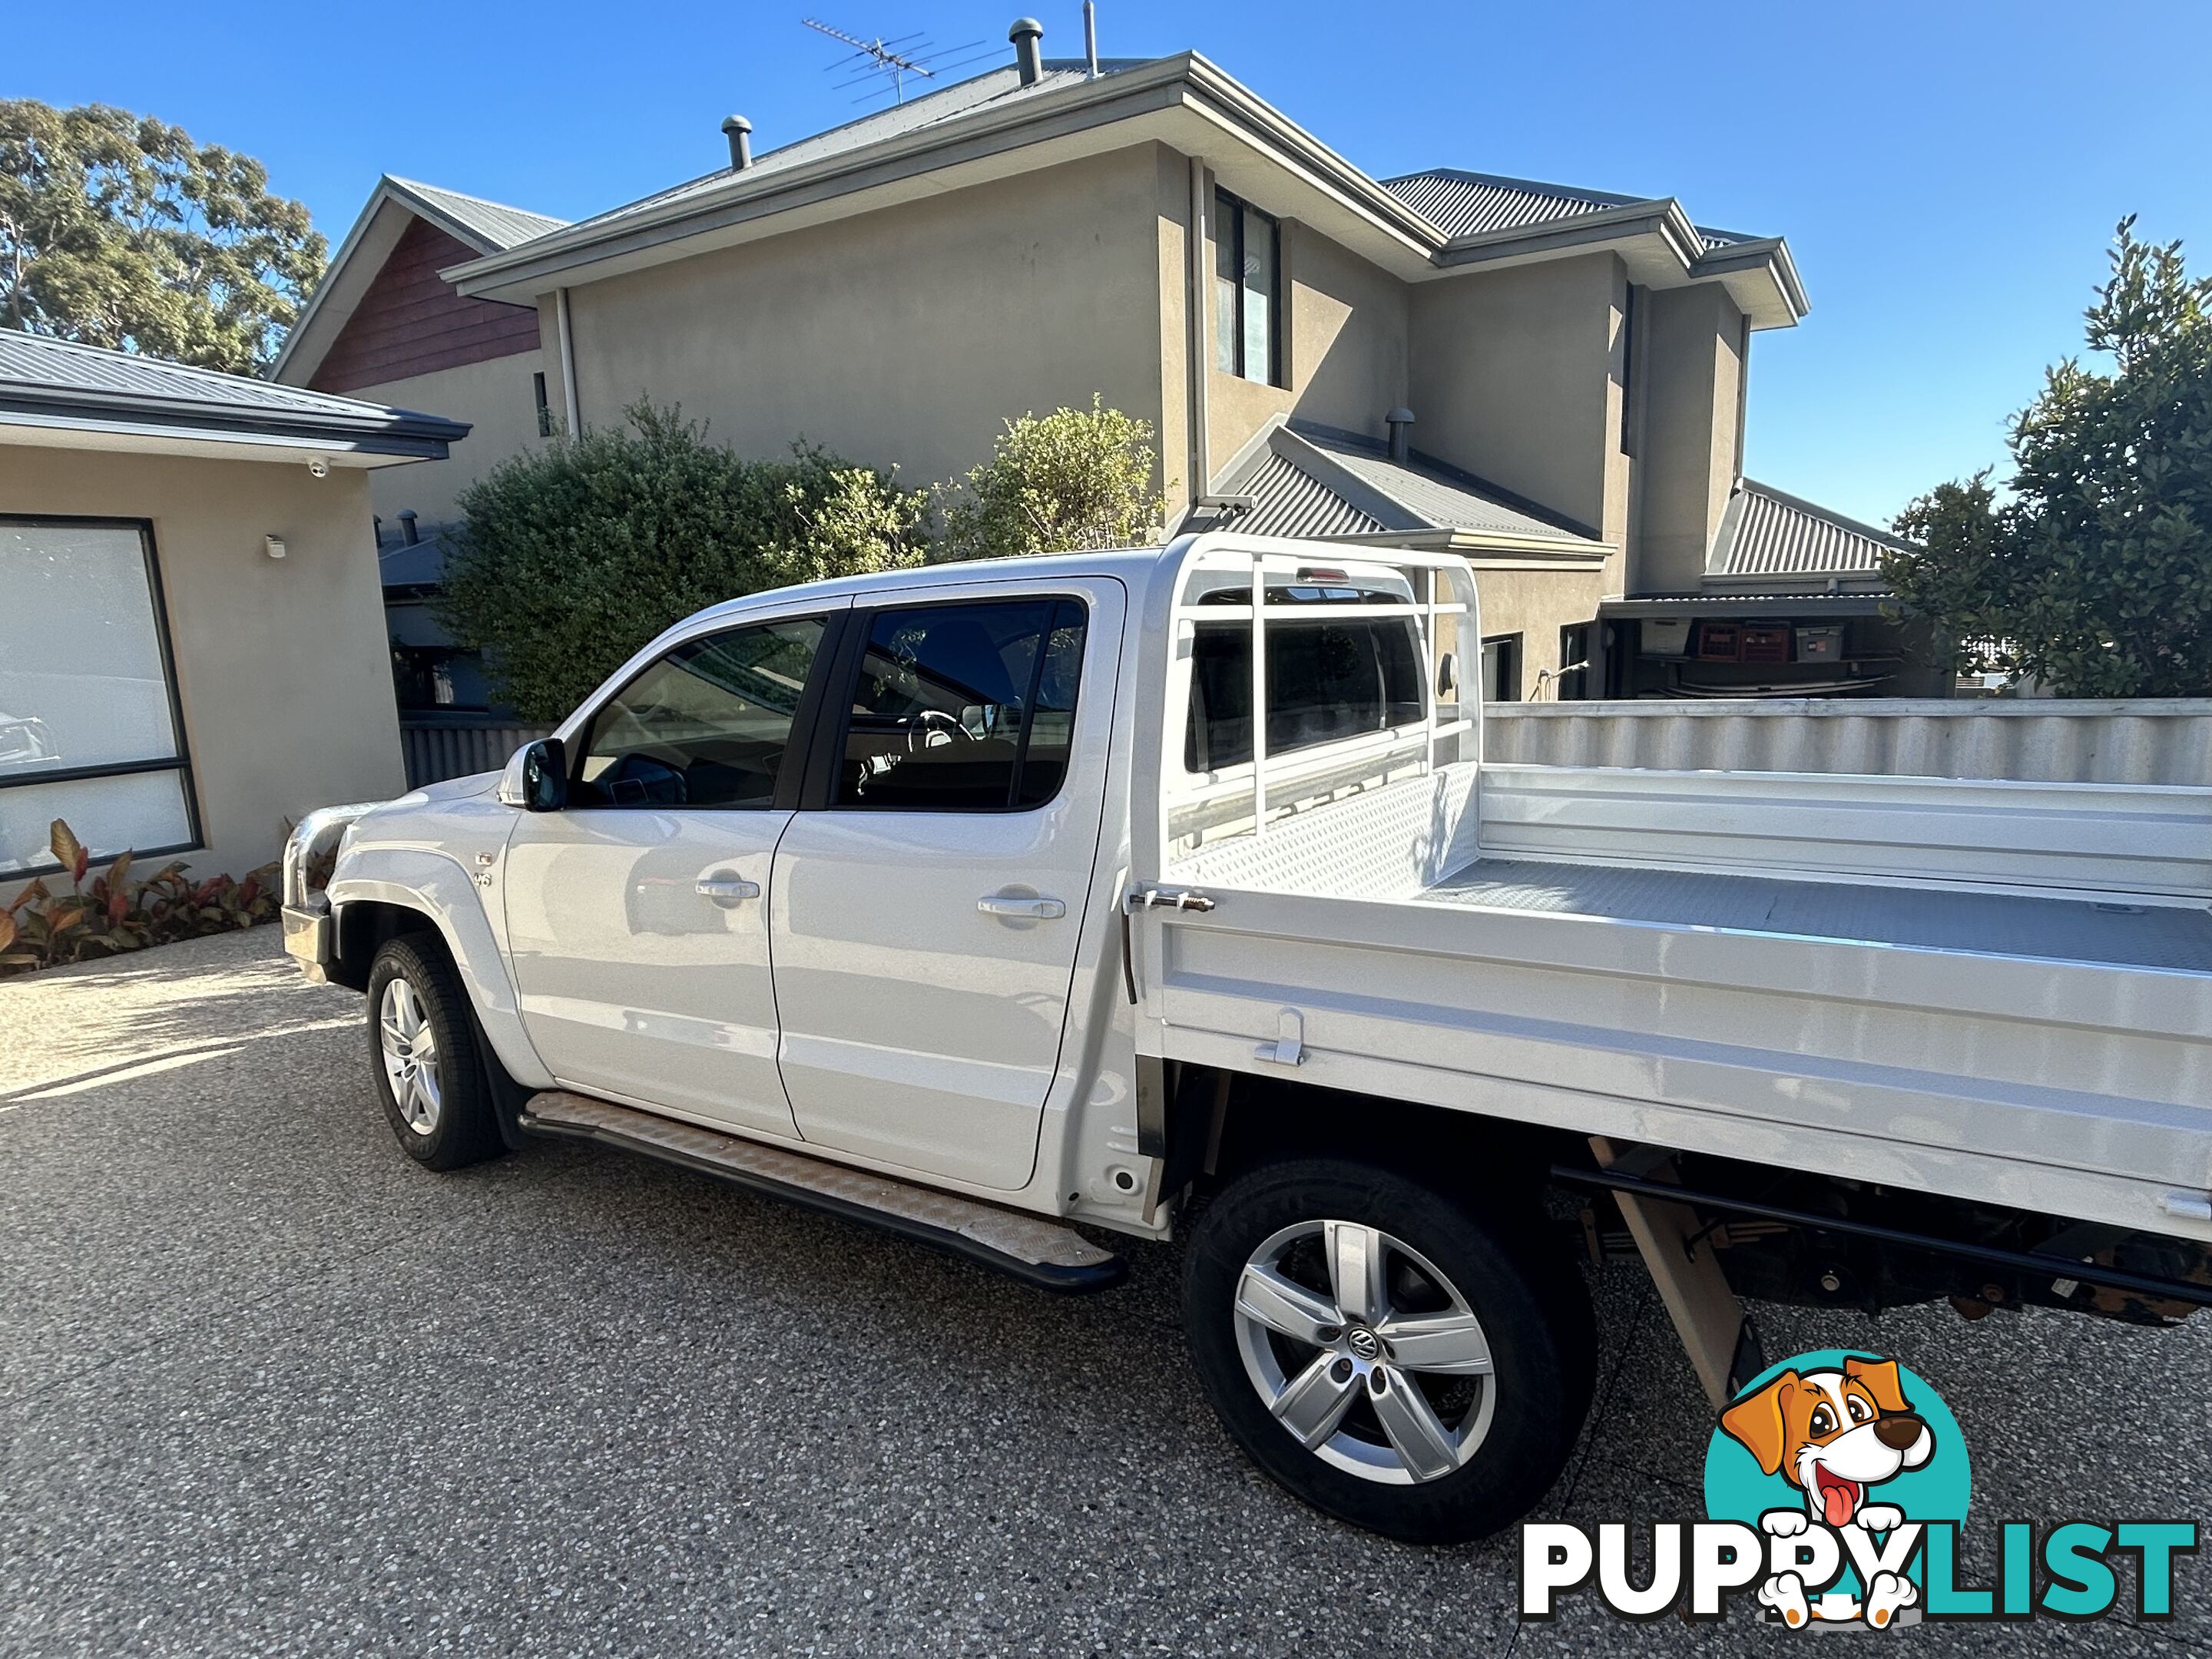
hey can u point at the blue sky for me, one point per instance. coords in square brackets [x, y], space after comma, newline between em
[1947, 174]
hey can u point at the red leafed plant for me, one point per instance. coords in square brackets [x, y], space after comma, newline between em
[42, 928]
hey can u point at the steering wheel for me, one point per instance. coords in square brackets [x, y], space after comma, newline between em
[923, 721]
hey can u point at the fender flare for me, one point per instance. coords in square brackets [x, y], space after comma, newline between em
[436, 886]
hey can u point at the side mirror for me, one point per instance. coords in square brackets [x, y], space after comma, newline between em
[1447, 674]
[537, 778]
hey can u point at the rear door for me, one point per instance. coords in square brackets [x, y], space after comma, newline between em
[924, 919]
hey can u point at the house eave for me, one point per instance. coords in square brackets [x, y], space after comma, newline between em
[1185, 102]
[1715, 602]
[408, 436]
[652, 235]
[1483, 548]
[1661, 248]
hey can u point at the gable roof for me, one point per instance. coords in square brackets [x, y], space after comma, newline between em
[57, 386]
[484, 227]
[992, 125]
[488, 227]
[1767, 533]
[1461, 204]
[1304, 479]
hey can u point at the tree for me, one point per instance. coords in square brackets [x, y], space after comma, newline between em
[571, 556]
[1072, 479]
[2094, 574]
[117, 230]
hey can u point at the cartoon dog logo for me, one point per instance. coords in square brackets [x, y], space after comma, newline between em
[1834, 1434]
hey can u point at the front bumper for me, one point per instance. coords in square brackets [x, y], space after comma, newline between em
[310, 930]
[308, 938]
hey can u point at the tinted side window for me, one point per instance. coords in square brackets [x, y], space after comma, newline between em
[1326, 680]
[963, 707]
[708, 725]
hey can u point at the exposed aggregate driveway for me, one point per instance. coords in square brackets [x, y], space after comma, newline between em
[269, 1388]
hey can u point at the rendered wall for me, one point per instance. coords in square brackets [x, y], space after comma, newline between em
[1692, 365]
[1536, 604]
[497, 400]
[1516, 377]
[904, 336]
[282, 665]
[1344, 348]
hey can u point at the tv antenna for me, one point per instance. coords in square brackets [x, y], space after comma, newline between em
[889, 63]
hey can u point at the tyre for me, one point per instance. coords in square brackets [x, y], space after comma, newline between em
[422, 1050]
[1393, 1358]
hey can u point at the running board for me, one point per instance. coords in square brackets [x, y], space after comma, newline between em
[1029, 1246]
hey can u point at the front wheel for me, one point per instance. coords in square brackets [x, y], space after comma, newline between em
[423, 1049]
[1385, 1354]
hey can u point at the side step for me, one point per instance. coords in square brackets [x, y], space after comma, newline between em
[1044, 1253]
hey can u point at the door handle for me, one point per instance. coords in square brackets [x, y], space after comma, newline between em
[728, 891]
[1027, 909]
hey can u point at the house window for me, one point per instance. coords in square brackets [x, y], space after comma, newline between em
[1247, 291]
[1501, 668]
[545, 408]
[89, 729]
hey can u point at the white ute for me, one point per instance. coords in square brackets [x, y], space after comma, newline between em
[1168, 891]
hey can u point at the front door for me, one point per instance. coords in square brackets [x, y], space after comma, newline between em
[638, 914]
[924, 921]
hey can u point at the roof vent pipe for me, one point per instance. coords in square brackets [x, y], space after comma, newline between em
[407, 530]
[1091, 39]
[1400, 424]
[739, 131]
[1027, 34]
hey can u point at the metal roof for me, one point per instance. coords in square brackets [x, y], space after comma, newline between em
[419, 563]
[51, 382]
[1000, 88]
[1462, 203]
[1291, 501]
[1477, 216]
[1308, 480]
[1765, 532]
[493, 225]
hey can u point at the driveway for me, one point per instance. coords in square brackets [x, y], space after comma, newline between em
[272, 1388]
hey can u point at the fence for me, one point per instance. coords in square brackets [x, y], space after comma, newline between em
[2144, 740]
[2039, 741]
[441, 747]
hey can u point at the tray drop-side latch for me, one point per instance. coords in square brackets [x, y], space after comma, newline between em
[1289, 1047]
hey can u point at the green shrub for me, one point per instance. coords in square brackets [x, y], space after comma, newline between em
[41, 929]
[1057, 483]
[572, 557]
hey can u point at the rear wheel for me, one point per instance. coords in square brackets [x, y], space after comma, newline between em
[428, 1071]
[1385, 1353]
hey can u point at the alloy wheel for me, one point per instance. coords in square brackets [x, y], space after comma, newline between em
[408, 1046]
[1365, 1352]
